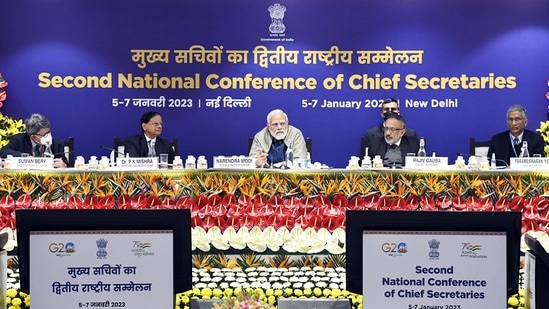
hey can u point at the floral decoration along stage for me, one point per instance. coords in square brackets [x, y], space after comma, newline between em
[8, 126]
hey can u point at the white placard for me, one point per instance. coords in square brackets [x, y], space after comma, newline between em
[31, 163]
[137, 164]
[529, 163]
[240, 162]
[414, 270]
[427, 163]
[83, 269]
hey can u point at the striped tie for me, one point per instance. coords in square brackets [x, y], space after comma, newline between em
[152, 153]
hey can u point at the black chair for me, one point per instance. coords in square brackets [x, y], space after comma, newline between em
[478, 148]
[119, 147]
[68, 149]
[308, 144]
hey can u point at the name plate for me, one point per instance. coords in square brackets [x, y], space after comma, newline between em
[529, 163]
[427, 163]
[140, 164]
[241, 162]
[30, 163]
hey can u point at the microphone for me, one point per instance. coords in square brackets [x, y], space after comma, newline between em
[505, 165]
[114, 150]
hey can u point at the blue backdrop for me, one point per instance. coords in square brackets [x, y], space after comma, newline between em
[475, 57]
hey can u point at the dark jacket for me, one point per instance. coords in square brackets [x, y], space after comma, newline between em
[408, 144]
[501, 145]
[136, 146]
[21, 143]
[377, 132]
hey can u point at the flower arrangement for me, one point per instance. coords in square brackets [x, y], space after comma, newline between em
[8, 126]
[544, 127]
[245, 299]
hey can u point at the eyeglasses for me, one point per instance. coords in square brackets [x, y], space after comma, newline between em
[518, 119]
[157, 124]
[390, 109]
[276, 124]
[43, 135]
[392, 130]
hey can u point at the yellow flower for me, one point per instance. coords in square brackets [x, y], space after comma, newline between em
[513, 301]
[11, 293]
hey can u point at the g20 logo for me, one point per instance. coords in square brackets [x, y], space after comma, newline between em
[62, 248]
[392, 247]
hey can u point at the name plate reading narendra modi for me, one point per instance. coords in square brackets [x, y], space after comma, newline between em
[427, 163]
[529, 163]
[234, 162]
[29, 163]
[139, 164]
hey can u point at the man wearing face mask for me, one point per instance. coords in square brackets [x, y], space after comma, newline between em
[37, 141]
[389, 105]
[270, 144]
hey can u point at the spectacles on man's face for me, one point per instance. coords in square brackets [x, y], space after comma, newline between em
[277, 124]
[516, 119]
[43, 135]
[156, 124]
[392, 130]
[390, 109]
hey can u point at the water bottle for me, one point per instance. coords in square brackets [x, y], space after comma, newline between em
[422, 152]
[524, 151]
[493, 161]
[289, 155]
[308, 160]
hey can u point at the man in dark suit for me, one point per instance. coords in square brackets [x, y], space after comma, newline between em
[395, 144]
[508, 144]
[389, 105]
[37, 141]
[149, 143]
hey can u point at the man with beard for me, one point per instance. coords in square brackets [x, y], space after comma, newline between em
[395, 144]
[270, 144]
[509, 143]
[149, 143]
[389, 105]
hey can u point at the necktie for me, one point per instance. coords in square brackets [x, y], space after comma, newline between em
[516, 141]
[37, 152]
[152, 153]
[393, 146]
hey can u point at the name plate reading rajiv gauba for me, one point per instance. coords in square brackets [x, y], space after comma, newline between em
[427, 163]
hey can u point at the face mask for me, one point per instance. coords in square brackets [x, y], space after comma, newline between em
[46, 140]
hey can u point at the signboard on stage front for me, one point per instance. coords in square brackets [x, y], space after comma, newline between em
[415, 269]
[124, 269]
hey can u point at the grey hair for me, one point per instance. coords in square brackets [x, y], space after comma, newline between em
[35, 123]
[517, 108]
[274, 112]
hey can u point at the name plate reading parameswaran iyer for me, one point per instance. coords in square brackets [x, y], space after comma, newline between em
[30, 163]
[427, 163]
[531, 163]
[138, 164]
[240, 162]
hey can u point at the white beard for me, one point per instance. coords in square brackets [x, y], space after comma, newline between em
[280, 135]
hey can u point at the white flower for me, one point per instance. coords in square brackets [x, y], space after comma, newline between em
[297, 285]
[200, 239]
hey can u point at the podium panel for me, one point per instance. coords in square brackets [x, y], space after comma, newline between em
[318, 303]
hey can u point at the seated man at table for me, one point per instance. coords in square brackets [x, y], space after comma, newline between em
[389, 105]
[37, 141]
[508, 143]
[270, 144]
[395, 144]
[149, 143]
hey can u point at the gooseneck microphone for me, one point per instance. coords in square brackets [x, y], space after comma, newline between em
[113, 150]
[505, 165]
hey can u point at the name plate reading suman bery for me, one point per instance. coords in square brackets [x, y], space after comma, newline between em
[137, 163]
[529, 163]
[31, 163]
[234, 162]
[427, 163]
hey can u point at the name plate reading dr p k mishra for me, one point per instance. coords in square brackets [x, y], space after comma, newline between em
[529, 163]
[240, 162]
[137, 164]
[31, 163]
[427, 163]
